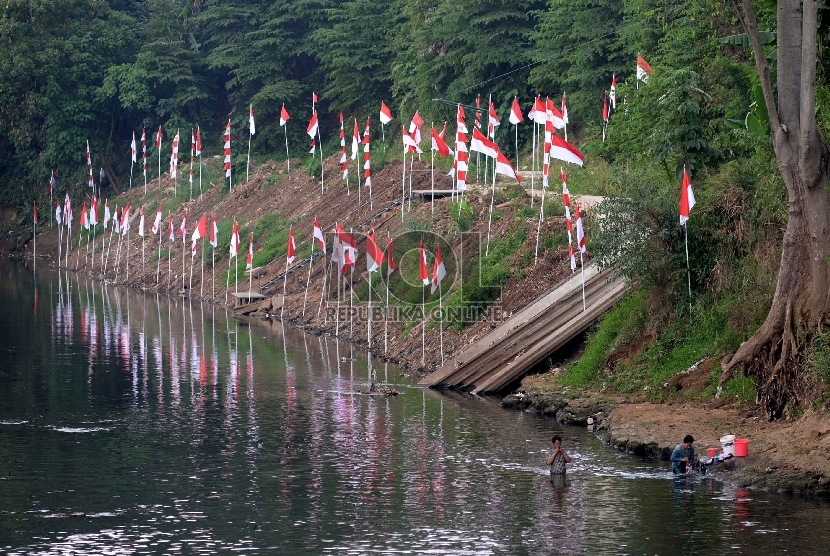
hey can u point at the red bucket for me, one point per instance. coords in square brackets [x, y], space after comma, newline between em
[741, 447]
[711, 452]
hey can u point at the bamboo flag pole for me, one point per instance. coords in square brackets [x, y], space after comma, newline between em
[386, 308]
[403, 182]
[539, 225]
[251, 272]
[441, 322]
[688, 269]
[158, 260]
[533, 159]
[423, 324]
[492, 199]
[202, 277]
[432, 173]
[351, 296]
[284, 285]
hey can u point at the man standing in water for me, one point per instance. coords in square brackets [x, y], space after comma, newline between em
[683, 455]
[557, 459]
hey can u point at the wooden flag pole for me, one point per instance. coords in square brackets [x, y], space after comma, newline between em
[688, 269]
[369, 319]
[287, 157]
[533, 159]
[127, 259]
[202, 277]
[411, 169]
[516, 129]
[423, 324]
[143, 260]
[351, 296]
[248, 165]
[158, 263]
[403, 182]
[337, 313]
[441, 323]
[386, 311]
[213, 272]
[192, 256]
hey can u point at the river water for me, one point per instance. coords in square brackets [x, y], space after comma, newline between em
[134, 423]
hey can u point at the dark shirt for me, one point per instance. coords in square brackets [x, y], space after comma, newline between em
[677, 454]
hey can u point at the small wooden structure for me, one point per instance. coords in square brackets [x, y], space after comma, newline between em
[245, 298]
[431, 194]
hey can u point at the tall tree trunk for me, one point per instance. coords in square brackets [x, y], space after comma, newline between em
[774, 355]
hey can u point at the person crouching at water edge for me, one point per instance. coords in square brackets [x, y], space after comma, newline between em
[683, 455]
[558, 458]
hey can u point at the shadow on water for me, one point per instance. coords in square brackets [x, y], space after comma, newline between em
[131, 422]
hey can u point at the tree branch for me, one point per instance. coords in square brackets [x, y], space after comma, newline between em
[750, 22]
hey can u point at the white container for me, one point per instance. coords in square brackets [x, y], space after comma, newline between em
[728, 443]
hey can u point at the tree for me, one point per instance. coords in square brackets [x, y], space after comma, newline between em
[801, 306]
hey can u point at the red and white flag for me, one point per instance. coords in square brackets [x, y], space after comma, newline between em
[355, 140]
[174, 156]
[125, 220]
[424, 274]
[52, 183]
[438, 144]
[284, 117]
[171, 234]
[157, 222]
[538, 113]
[292, 247]
[84, 220]
[604, 114]
[344, 165]
[566, 195]
[482, 144]
[251, 119]
[214, 232]
[35, 215]
[374, 256]
[314, 100]
[443, 133]
[571, 252]
[89, 164]
[107, 215]
[93, 212]
[409, 144]
[478, 112]
[312, 125]
[133, 149]
[516, 116]
[144, 151]
[141, 223]
[318, 235]
[415, 127]
[234, 249]
[504, 167]
[158, 139]
[391, 265]
[564, 109]
[192, 152]
[461, 154]
[367, 159]
[554, 115]
[562, 150]
[580, 232]
[58, 214]
[249, 261]
[613, 93]
[183, 227]
[116, 221]
[643, 69]
[199, 232]
[687, 197]
[492, 120]
[198, 141]
[439, 271]
[227, 164]
[385, 113]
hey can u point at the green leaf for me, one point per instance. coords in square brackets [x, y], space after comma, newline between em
[732, 123]
[754, 125]
[760, 108]
[741, 39]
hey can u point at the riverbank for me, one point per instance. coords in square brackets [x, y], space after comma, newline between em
[784, 456]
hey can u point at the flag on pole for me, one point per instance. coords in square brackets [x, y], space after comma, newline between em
[355, 139]
[481, 144]
[174, 156]
[367, 164]
[89, 165]
[141, 223]
[424, 274]
[461, 155]
[604, 114]
[344, 165]
[227, 166]
[415, 127]
[391, 265]
[35, 215]
[613, 93]
[438, 144]
[312, 129]
[565, 112]
[93, 212]
[478, 113]
[251, 119]
[516, 116]
[409, 143]
[291, 246]
[133, 149]
[116, 221]
[107, 215]
[52, 183]
[125, 220]
[687, 197]
[374, 256]
[249, 261]
[158, 139]
[171, 234]
[84, 221]
[580, 231]
[439, 271]
[183, 227]
[198, 146]
[385, 113]
[199, 232]
[566, 195]
[58, 214]
[643, 69]
[157, 222]
[144, 151]
[504, 167]
[537, 112]
[214, 232]
[234, 249]
[492, 120]
[314, 99]
[571, 252]
[284, 117]
[192, 154]
[554, 115]
[562, 150]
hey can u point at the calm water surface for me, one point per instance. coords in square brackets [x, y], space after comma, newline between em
[131, 423]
